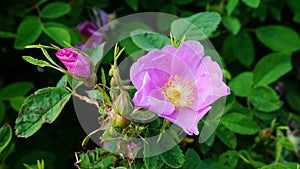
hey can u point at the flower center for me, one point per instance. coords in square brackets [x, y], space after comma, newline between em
[177, 92]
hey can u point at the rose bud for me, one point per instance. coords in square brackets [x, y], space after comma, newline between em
[75, 62]
[123, 104]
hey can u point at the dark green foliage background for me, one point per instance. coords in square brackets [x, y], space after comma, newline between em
[258, 41]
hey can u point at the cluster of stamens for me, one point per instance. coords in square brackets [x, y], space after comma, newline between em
[180, 93]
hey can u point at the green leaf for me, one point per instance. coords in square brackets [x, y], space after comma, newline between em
[151, 162]
[55, 10]
[227, 137]
[288, 165]
[94, 159]
[283, 140]
[5, 136]
[293, 98]
[232, 24]
[236, 123]
[264, 98]
[196, 27]
[7, 34]
[241, 84]
[96, 53]
[231, 5]
[229, 158]
[62, 82]
[252, 3]
[43, 106]
[36, 62]
[243, 48]
[148, 40]
[75, 35]
[28, 32]
[15, 89]
[228, 52]
[192, 159]
[133, 4]
[95, 94]
[271, 67]
[58, 34]
[279, 38]
[173, 157]
[16, 102]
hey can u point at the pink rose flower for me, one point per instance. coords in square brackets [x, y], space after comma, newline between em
[87, 29]
[74, 62]
[178, 84]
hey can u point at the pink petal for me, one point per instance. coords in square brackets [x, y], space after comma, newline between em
[191, 53]
[149, 97]
[187, 119]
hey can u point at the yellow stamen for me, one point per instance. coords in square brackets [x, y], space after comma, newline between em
[179, 93]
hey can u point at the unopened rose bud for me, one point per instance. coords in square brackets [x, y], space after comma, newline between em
[75, 62]
[123, 104]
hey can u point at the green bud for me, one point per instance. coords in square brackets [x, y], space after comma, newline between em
[123, 104]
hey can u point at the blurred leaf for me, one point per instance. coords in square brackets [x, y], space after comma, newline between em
[94, 159]
[55, 10]
[7, 34]
[232, 24]
[169, 9]
[241, 84]
[288, 165]
[183, 2]
[133, 4]
[196, 27]
[229, 158]
[243, 48]
[248, 157]
[15, 89]
[294, 5]
[226, 136]
[75, 35]
[2, 111]
[58, 34]
[148, 40]
[43, 106]
[271, 67]
[236, 123]
[173, 157]
[252, 3]
[227, 49]
[231, 5]
[279, 38]
[293, 98]
[192, 159]
[31, 156]
[264, 98]
[28, 32]
[5, 136]
[36, 62]
[96, 53]
[283, 140]
[16, 102]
